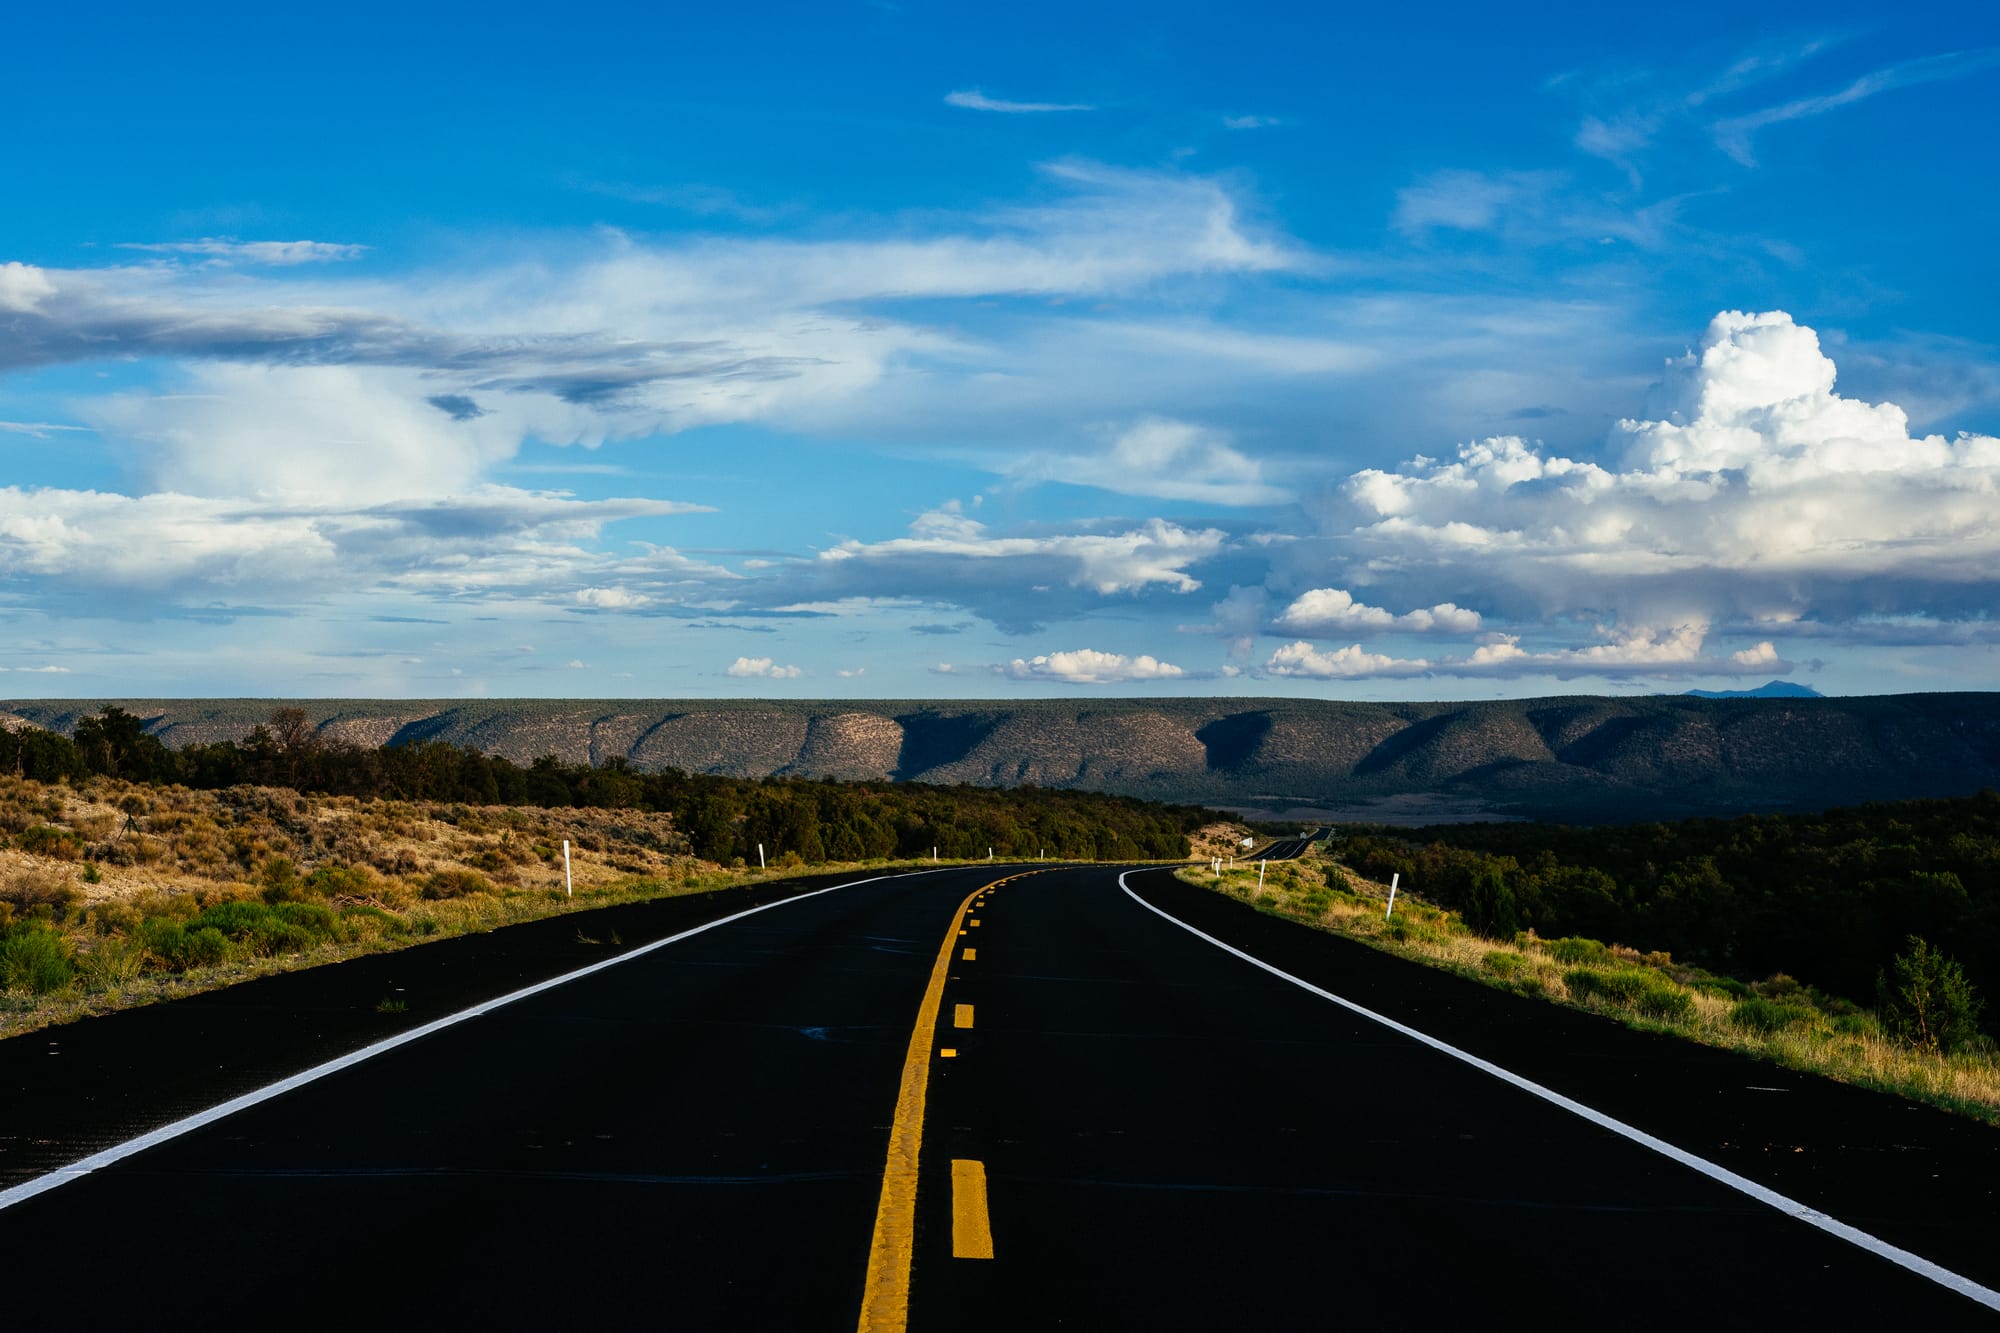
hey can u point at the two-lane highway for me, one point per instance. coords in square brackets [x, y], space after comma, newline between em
[1009, 1098]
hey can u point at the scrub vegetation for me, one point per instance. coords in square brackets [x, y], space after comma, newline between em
[1912, 1031]
[122, 883]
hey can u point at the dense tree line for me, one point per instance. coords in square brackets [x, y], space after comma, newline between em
[1829, 898]
[724, 818]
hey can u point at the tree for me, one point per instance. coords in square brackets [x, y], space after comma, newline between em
[1489, 904]
[117, 744]
[1926, 1001]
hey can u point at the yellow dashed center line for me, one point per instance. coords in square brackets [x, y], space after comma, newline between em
[973, 922]
[971, 1231]
[961, 1016]
[885, 1300]
[970, 955]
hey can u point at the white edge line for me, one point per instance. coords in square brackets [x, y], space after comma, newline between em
[97, 1161]
[1915, 1263]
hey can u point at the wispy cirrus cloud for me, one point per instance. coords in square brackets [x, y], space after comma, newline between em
[275, 254]
[1733, 133]
[39, 430]
[1165, 459]
[973, 100]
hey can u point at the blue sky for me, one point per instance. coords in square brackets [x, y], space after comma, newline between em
[921, 350]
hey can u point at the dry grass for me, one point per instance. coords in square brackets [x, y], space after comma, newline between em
[111, 858]
[1651, 991]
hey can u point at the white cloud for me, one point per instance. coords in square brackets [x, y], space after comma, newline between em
[39, 430]
[144, 554]
[1165, 459]
[1673, 651]
[1326, 612]
[761, 668]
[1732, 134]
[1250, 122]
[1155, 552]
[1469, 200]
[1302, 660]
[851, 673]
[974, 100]
[40, 670]
[23, 287]
[1087, 666]
[1756, 493]
[612, 599]
[276, 254]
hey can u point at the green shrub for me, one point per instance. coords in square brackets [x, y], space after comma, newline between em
[177, 947]
[1757, 1014]
[48, 840]
[455, 884]
[1503, 964]
[1926, 1001]
[235, 919]
[112, 963]
[1405, 931]
[340, 882]
[37, 959]
[1575, 949]
[1643, 992]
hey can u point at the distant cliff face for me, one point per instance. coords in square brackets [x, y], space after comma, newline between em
[1579, 758]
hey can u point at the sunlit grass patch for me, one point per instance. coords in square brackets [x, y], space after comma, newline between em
[1777, 1019]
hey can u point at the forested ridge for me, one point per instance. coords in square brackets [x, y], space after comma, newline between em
[1829, 898]
[724, 819]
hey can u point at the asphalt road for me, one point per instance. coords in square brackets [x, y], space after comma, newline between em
[1168, 1137]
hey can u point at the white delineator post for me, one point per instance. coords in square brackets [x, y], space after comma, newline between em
[760, 856]
[569, 889]
[934, 859]
[1260, 874]
[1393, 879]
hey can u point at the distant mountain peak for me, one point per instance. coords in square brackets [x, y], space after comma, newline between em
[1776, 689]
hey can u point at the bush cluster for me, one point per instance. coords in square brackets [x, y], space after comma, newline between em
[1830, 897]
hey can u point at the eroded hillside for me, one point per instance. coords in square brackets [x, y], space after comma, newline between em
[1583, 758]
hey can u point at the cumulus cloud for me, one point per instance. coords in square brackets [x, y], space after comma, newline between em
[974, 100]
[1302, 660]
[1757, 493]
[761, 668]
[1087, 666]
[277, 254]
[1165, 459]
[611, 599]
[1326, 612]
[23, 287]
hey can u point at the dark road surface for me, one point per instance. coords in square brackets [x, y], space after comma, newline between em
[1168, 1137]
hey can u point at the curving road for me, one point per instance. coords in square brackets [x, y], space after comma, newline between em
[1005, 1098]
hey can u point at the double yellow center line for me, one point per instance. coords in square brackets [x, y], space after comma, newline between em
[885, 1303]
